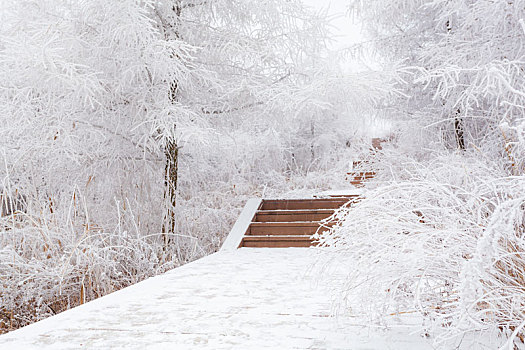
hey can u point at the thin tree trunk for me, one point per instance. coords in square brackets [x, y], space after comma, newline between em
[170, 182]
[459, 131]
[458, 121]
[172, 158]
[170, 178]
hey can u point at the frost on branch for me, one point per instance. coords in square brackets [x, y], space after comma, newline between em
[99, 97]
[444, 241]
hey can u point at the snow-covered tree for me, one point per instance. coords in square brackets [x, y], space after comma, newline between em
[440, 232]
[465, 60]
[132, 132]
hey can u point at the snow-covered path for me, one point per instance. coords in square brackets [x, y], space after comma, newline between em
[241, 299]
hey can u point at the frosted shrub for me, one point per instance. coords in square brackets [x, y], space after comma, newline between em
[493, 280]
[48, 267]
[439, 232]
[443, 240]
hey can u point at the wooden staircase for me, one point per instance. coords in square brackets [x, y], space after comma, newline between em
[357, 178]
[283, 223]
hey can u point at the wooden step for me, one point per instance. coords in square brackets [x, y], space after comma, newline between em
[357, 163]
[362, 174]
[292, 215]
[284, 228]
[297, 204]
[277, 242]
[376, 143]
[280, 223]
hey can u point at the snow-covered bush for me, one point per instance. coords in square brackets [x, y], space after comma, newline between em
[438, 235]
[439, 231]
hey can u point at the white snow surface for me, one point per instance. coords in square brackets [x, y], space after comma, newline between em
[242, 299]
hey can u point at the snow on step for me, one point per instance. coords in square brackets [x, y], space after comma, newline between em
[239, 299]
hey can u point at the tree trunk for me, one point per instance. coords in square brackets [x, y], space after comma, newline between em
[459, 131]
[170, 178]
[458, 121]
[170, 194]
[172, 158]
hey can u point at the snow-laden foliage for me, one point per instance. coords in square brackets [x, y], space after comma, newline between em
[464, 61]
[441, 238]
[118, 116]
[439, 232]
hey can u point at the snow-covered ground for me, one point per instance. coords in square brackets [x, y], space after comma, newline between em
[241, 299]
